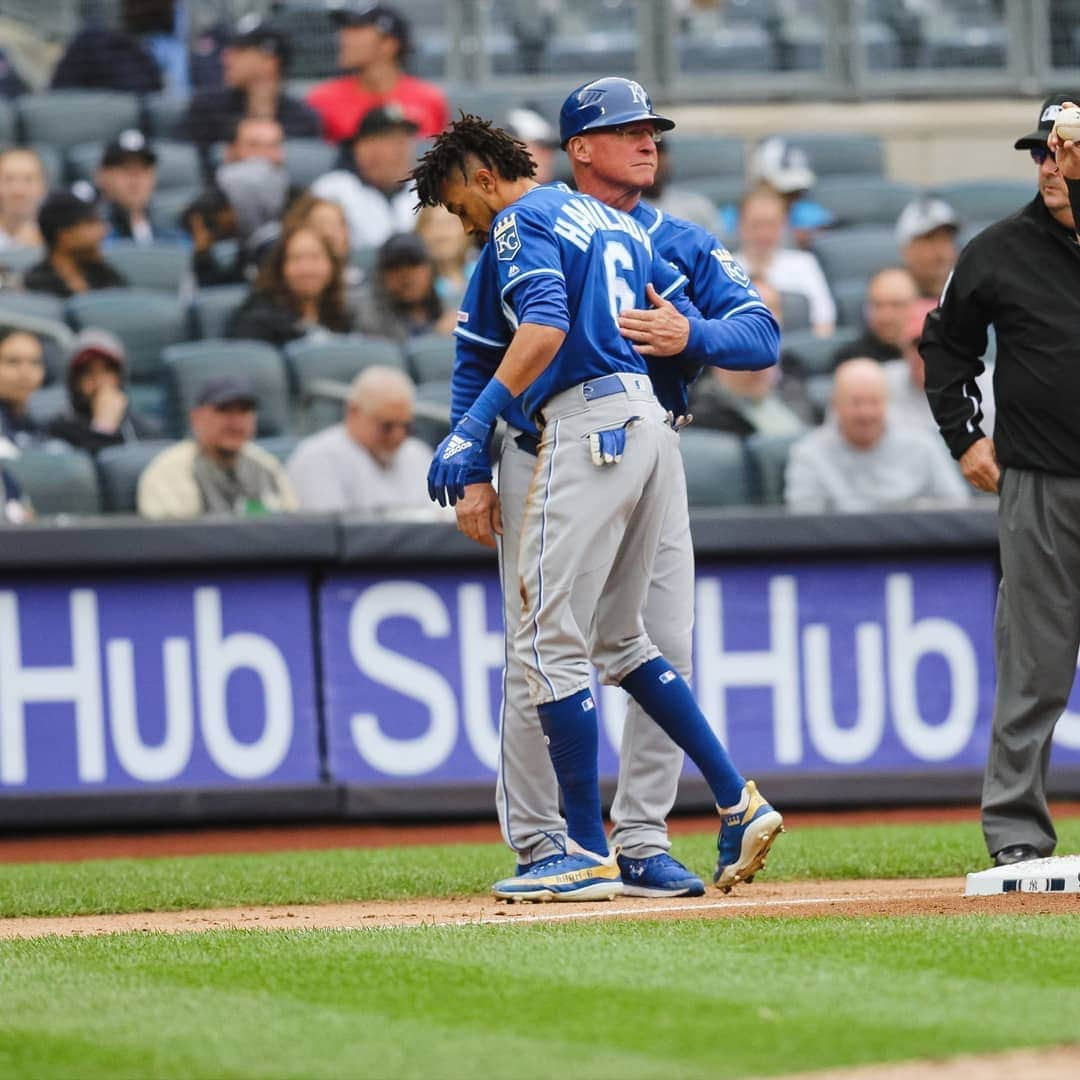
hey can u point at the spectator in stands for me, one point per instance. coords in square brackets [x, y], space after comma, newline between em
[907, 377]
[369, 463]
[15, 508]
[328, 219]
[786, 170]
[761, 235]
[539, 138]
[99, 413]
[861, 461]
[373, 47]
[219, 470]
[102, 58]
[450, 250]
[887, 312]
[298, 292]
[678, 201]
[254, 63]
[256, 137]
[402, 302]
[209, 220]
[743, 402]
[22, 371]
[926, 236]
[373, 191]
[73, 231]
[126, 179]
[22, 191]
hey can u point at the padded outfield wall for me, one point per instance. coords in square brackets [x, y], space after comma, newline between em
[311, 667]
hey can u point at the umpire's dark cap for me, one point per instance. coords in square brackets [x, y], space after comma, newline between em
[225, 390]
[254, 32]
[64, 210]
[1047, 115]
[387, 20]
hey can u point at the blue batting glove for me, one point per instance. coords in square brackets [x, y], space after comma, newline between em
[463, 457]
[606, 447]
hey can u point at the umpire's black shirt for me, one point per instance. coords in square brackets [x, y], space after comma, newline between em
[1022, 275]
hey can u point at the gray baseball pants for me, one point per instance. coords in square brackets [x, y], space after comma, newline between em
[650, 763]
[1036, 638]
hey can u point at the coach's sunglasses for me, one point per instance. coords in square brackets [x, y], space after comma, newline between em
[388, 427]
[1040, 153]
[633, 131]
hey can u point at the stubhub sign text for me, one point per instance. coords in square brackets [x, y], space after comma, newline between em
[821, 667]
[174, 683]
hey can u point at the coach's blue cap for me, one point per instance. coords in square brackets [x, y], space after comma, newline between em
[605, 103]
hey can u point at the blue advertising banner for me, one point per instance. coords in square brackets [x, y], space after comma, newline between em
[178, 683]
[854, 667]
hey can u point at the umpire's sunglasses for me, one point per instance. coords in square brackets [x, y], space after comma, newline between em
[1040, 153]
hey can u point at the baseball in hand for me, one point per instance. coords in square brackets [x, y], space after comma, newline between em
[1067, 125]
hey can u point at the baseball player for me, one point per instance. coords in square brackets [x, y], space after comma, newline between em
[608, 128]
[593, 518]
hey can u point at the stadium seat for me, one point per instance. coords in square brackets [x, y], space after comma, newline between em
[986, 200]
[8, 126]
[955, 41]
[716, 469]
[819, 392]
[857, 252]
[430, 357]
[146, 322]
[177, 165]
[767, 456]
[795, 309]
[850, 297]
[17, 260]
[281, 446]
[212, 308]
[58, 481]
[693, 156]
[812, 355]
[742, 47]
[119, 469]
[840, 155]
[151, 266]
[163, 116]
[436, 392]
[311, 33]
[38, 305]
[801, 41]
[339, 358]
[863, 200]
[167, 206]
[52, 162]
[612, 50]
[308, 159]
[189, 365]
[363, 258]
[65, 118]
[48, 402]
[431, 422]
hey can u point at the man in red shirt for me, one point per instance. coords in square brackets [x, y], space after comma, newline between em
[373, 44]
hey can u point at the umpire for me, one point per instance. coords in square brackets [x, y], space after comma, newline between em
[1022, 276]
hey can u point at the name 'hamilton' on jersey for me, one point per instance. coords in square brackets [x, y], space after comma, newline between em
[566, 260]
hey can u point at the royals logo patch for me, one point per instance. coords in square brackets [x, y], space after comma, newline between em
[731, 267]
[507, 241]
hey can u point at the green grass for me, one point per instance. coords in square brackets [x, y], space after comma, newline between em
[638, 999]
[122, 885]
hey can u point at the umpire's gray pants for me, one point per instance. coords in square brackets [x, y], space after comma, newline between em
[1037, 636]
[527, 793]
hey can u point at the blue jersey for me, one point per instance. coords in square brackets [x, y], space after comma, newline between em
[740, 332]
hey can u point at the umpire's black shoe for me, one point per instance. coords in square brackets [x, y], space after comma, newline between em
[1015, 853]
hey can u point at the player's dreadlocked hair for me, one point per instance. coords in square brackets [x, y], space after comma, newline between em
[469, 136]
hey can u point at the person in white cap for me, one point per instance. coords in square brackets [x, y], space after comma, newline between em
[926, 236]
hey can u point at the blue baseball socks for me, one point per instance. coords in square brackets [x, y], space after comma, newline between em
[570, 727]
[663, 693]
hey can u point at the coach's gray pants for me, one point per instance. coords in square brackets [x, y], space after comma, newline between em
[650, 763]
[1037, 636]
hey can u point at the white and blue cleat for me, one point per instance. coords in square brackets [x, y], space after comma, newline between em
[658, 876]
[578, 875]
[745, 839]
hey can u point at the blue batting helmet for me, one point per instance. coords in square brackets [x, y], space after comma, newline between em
[605, 103]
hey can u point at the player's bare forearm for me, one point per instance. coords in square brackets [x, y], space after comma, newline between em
[529, 353]
[478, 514]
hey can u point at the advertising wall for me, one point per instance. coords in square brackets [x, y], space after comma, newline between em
[385, 676]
